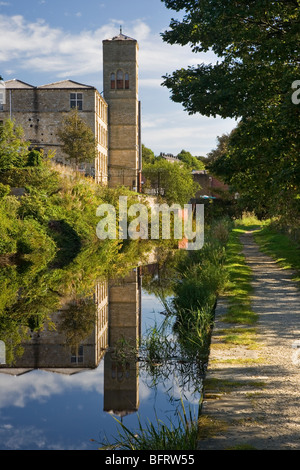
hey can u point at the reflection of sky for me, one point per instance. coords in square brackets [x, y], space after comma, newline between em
[45, 410]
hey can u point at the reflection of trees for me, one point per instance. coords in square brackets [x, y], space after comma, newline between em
[77, 321]
[163, 354]
[158, 279]
[180, 347]
[30, 291]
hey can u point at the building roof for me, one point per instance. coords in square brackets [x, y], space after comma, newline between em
[15, 83]
[65, 84]
[121, 37]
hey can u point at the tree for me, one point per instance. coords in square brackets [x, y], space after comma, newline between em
[13, 147]
[78, 140]
[190, 162]
[258, 43]
[172, 181]
[257, 47]
[147, 155]
[220, 150]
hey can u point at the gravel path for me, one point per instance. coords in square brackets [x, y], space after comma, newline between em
[261, 408]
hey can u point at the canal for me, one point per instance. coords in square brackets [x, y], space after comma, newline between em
[94, 362]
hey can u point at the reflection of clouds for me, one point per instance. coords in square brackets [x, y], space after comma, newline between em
[27, 437]
[19, 438]
[40, 386]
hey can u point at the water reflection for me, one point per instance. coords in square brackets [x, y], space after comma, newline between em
[105, 329]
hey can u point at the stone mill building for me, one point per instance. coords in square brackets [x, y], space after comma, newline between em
[114, 115]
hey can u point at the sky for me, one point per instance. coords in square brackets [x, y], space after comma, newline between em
[44, 41]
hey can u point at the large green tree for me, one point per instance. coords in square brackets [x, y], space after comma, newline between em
[256, 44]
[172, 181]
[78, 140]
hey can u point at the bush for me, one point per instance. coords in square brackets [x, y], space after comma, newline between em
[4, 190]
[35, 158]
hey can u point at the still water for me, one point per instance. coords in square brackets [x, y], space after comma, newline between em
[57, 397]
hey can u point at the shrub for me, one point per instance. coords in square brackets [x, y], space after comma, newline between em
[4, 190]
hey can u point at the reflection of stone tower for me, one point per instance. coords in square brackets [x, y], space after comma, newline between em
[120, 82]
[121, 391]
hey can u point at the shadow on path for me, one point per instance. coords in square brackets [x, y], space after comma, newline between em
[260, 402]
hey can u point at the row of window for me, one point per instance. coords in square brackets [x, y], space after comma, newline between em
[101, 165]
[119, 80]
[101, 135]
[101, 109]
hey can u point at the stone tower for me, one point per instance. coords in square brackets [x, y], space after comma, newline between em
[120, 85]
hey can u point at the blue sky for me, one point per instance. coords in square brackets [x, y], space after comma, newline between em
[43, 41]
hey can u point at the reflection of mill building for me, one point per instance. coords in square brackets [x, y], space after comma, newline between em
[115, 316]
[54, 348]
[114, 118]
[121, 375]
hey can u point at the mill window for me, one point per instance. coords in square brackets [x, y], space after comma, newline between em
[120, 84]
[113, 81]
[126, 81]
[76, 100]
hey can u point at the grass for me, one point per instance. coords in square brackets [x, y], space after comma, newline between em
[225, 386]
[159, 435]
[239, 288]
[280, 247]
[239, 336]
[209, 427]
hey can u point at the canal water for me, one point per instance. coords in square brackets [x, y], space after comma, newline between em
[64, 394]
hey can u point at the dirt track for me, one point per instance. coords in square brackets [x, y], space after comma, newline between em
[261, 408]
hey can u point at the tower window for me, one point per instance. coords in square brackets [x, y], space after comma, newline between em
[113, 81]
[76, 100]
[126, 81]
[120, 84]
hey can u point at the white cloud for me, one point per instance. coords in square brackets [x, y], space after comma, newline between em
[42, 48]
[38, 48]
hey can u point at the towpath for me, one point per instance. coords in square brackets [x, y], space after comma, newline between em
[253, 395]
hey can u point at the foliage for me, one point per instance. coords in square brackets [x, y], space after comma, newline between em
[239, 288]
[159, 436]
[9, 226]
[220, 150]
[257, 44]
[262, 165]
[13, 148]
[34, 158]
[173, 182]
[78, 140]
[147, 155]
[4, 190]
[190, 161]
[281, 246]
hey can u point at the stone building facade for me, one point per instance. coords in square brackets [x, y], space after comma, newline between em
[41, 110]
[114, 118]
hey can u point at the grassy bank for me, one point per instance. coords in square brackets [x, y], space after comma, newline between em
[280, 247]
